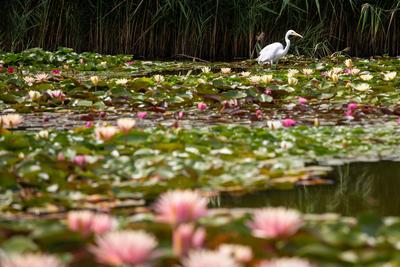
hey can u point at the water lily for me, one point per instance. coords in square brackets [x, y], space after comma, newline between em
[362, 87]
[275, 222]
[10, 70]
[288, 122]
[239, 252]
[292, 72]
[266, 78]
[245, 73]
[286, 262]
[333, 76]
[348, 63]
[125, 124]
[10, 120]
[43, 134]
[208, 258]
[105, 133]
[34, 95]
[31, 260]
[205, 69]
[29, 80]
[355, 71]
[158, 78]
[366, 77]
[58, 94]
[226, 70]
[388, 76]
[202, 106]
[255, 79]
[79, 160]
[201, 81]
[180, 206]
[88, 222]
[308, 72]
[187, 237]
[95, 80]
[274, 124]
[337, 70]
[142, 115]
[41, 77]
[128, 248]
[292, 81]
[302, 101]
[56, 72]
[123, 81]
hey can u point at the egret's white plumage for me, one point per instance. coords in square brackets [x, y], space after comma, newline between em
[273, 52]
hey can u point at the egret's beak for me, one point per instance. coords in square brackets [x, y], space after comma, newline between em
[298, 35]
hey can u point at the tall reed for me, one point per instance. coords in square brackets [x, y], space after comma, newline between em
[210, 29]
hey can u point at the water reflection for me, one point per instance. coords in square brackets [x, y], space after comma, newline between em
[359, 187]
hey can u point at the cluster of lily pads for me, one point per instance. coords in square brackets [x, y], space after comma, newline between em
[139, 129]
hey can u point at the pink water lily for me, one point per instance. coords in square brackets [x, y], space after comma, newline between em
[142, 115]
[302, 101]
[187, 237]
[180, 206]
[130, 248]
[288, 122]
[275, 222]
[87, 222]
[202, 106]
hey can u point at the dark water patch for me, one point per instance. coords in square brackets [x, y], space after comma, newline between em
[359, 187]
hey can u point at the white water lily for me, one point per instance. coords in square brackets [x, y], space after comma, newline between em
[205, 69]
[348, 63]
[286, 145]
[245, 73]
[333, 76]
[388, 76]
[158, 78]
[337, 70]
[366, 77]
[308, 72]
[266, 78]
[202, 81]
[29, 80]
[34, 95]
[355, 71]
[123, 81]
[255, 79]
[274, 124]
[226, 70]
[40, 77]
[292, 72]
[95, 80]
[292, 81]
[362, 87]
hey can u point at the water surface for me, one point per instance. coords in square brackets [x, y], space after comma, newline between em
[358, 188]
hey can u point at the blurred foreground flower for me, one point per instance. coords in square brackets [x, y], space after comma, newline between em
[176, 207]
[130, 248]
[30, 260]
[238, 252]
[275, 222]
[186, 237]
[208, 258]
[87, 222]
[286, 262]
[10, 120]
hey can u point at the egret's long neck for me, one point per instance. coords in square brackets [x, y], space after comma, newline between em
[286, 50]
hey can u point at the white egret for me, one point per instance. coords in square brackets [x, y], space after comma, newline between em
[273, 52]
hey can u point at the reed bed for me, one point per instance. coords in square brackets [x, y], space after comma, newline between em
[208, 29]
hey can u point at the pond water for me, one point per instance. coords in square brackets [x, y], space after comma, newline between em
[358, 188]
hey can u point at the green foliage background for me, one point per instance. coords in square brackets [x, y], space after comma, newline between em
[211, 29]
